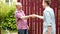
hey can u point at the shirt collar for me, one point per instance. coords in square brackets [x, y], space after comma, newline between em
[19, 10]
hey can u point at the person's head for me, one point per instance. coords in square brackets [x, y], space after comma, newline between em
[18, 5]
[45, 3]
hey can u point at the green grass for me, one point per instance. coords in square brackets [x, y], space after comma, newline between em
[4, 32]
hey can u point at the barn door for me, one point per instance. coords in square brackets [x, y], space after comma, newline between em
[59, 17]
[35, 7]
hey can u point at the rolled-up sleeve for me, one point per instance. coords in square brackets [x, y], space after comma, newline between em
[48, 18]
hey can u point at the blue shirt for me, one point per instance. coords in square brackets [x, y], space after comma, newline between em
[49, 20]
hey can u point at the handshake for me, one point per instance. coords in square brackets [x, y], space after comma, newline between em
[33, 15]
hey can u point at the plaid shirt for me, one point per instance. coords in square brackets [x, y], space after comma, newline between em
[21, 23]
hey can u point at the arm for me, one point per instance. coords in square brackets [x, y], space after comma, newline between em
[24, 17]
[18, 15]
[41, 17]
[27, 27]
[49, 30]
[48, 20]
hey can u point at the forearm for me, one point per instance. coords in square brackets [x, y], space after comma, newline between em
[49, 30]
[24, 17]
[41, 17]
[27, 27]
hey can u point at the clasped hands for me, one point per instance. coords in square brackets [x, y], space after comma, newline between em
[33, 15]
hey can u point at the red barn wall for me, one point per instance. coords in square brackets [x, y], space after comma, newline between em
[35, 7]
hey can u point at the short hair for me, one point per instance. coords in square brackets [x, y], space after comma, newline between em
[47, 1]
[18, 3]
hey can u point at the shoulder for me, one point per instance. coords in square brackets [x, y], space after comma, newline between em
[50, 10]
[22, 10]
[16, 12]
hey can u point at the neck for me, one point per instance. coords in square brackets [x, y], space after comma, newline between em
[19, 9]
[46, 6]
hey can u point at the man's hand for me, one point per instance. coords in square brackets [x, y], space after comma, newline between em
[28, 27]
[49, 29]
[26, 17]
[33, 15]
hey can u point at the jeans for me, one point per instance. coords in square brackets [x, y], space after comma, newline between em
[22, 31]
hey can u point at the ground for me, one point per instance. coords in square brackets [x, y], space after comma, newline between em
[11, 32]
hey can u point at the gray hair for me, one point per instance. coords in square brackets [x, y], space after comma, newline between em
[18, 3]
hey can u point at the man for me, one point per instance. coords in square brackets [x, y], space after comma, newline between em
[49, 26]
[21, 19]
